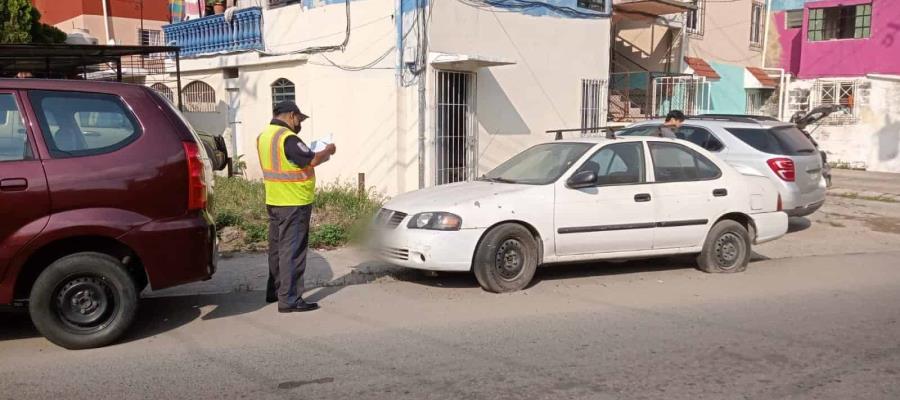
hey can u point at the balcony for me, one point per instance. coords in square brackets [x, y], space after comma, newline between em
[213, 34]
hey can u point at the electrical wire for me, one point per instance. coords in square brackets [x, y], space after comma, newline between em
[320, 49]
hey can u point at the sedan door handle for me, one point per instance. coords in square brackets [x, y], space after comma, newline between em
[642, 197]
[13, 184]
[720, 192]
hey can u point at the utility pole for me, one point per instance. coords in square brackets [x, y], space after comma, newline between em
[423, 44]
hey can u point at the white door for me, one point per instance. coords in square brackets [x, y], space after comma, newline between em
[690, 192]
[615, 213]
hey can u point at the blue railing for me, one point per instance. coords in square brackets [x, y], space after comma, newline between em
[213, 34]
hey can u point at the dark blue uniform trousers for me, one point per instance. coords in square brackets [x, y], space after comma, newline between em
[288, 245]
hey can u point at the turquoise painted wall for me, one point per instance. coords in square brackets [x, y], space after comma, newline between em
[728, 95]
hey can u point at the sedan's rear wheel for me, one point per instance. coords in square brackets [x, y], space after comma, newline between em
[506, 259]
[727, 248]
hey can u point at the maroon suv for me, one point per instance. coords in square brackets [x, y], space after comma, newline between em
[104, 189]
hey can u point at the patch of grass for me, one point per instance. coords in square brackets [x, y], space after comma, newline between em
[328, 235]
[340, 212]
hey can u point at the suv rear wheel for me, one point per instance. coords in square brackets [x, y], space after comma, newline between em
[84, 300]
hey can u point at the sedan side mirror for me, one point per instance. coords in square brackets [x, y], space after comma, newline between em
[582, 180]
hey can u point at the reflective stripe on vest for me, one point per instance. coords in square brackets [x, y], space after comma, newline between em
[286, 184]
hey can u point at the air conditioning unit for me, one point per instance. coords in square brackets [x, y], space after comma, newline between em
[81, 36]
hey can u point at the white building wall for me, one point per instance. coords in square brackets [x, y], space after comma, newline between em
[373, 118]
[359, 108]
[517, 104]
[873, 142]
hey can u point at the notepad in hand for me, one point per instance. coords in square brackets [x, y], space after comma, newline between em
[319, 145]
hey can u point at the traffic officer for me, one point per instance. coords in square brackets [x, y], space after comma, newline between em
[289, 175]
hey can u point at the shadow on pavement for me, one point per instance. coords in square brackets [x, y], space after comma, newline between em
[156, 315]
[798, 224]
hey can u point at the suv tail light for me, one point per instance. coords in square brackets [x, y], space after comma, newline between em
[783, 167]
[196, 185]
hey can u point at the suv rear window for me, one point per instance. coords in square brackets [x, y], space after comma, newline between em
[785, 141]
[78, 124]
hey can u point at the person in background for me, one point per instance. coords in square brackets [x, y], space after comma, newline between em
[289, 176]
[674, 119]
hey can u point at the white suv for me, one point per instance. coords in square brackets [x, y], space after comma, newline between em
[587, 199]
[761, 146]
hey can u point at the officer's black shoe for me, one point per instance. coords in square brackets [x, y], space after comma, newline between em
[301, 306]
[271, 299]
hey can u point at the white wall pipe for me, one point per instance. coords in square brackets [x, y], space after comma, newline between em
[766, 15]
[106, 20]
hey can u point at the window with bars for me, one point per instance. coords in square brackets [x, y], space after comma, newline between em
[695, 18]
[844, 22]
[279, 3]
[164, 90]
[199, 97]
[149, 37]
[757, 14]
[793, 19]
[595, 5]
[283, 90]
[849, 94]
[592, 94]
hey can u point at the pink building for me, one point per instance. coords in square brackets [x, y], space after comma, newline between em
[843, 52]
[835, 38]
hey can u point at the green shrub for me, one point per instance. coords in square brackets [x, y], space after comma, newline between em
[256, 232]
[328, 235]
[339, 213]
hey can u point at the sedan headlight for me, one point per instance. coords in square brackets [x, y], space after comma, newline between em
[439, 221]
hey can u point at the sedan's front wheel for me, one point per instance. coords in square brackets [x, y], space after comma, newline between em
[506, 259]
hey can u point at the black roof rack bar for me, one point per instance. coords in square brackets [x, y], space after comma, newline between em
[735, 118]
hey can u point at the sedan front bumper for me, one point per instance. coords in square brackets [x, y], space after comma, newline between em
[427, 249]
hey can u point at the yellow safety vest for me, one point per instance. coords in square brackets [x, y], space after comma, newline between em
[286, 184]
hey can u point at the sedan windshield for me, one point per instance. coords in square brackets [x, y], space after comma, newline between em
[539, 165]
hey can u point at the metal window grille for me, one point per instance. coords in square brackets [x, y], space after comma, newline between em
[695, 18]
[762, 102]
[282, 90]
[689, 94]
[593, 100]
[842, 22]
[844, 93]
[756, 23]
[279, 3]
[164, 90]
[199, 97]
[455, 140]
[793, 19]
[596, 5]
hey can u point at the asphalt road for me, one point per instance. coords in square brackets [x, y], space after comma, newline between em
[820, 327]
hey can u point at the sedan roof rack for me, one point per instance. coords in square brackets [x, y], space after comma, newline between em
[736, 118]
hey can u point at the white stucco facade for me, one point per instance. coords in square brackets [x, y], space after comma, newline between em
[527, 72]
[871, 140]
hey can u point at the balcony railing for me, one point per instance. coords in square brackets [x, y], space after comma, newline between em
[213, 34]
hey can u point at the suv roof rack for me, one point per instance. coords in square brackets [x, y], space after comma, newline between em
[736, 118]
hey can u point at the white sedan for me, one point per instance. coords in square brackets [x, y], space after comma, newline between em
[589, 199]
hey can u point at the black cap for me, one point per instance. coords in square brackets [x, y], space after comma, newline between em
[285, 107]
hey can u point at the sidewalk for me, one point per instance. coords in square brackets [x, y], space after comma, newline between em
[865, 184]
[247, 272]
